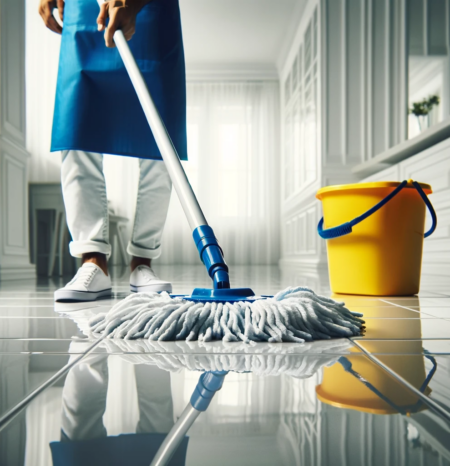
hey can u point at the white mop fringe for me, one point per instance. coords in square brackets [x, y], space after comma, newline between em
[293, 315]
[272, 361]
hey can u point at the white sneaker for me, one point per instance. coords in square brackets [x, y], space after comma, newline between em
[143, 278]
[89, 284]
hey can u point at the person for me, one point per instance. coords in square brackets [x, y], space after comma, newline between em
[97, 111]
[84, 436]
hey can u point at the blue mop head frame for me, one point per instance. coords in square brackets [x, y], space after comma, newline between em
[211, 255]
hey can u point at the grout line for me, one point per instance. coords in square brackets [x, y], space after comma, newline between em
[36, 306]
[63, 316]
[25, 291]
[433, 353]
[406, 318]
[399, 339]
[37, 339]
[52, 305]
[37, 317]
[27, 298]
[121, 353]
[51, 309]
[31, 306]
[439, 295]
[438, 409]
[13, 412]
[398, 305]
[420, 311]
[426, 316]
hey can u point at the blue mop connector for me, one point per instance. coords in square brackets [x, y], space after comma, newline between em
[207, 386]
[212, 256]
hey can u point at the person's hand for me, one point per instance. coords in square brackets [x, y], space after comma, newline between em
[122, 15]
[46, 8]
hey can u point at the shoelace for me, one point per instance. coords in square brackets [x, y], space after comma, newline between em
[85, 275]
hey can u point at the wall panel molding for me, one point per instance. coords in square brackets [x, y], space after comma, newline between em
[431, 166]
[344, 75]
[12, 64]
[14, 244]
[14, 187]
[365, 86]
[301, 242]
[12, 146]
[362, 99]
[429, 19]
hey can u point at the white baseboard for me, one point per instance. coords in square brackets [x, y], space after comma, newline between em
[17, 273]
[440, 272]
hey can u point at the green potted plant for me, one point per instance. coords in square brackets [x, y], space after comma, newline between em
[422, 110]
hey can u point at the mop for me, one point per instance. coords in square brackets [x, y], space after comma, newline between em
[293, 315]
[304, 363]
[222, 313]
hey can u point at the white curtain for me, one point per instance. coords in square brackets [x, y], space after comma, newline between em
[234, 157]
[233, 147]
[42, 53]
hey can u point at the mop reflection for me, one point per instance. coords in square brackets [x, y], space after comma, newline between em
[84, 438]
[261, 359]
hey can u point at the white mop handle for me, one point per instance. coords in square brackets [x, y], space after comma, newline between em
[169, 154]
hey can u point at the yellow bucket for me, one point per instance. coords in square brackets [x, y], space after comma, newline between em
[374, 234]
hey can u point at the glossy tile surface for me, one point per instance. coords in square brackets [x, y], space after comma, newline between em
[35, 346]
[429, 374]
[405, 346]
[374, 400]
[21, 374]
[406, 329]
[35, 327]
[254, 420]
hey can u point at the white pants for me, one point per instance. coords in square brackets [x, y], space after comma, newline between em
[84, 398]
[84, 192]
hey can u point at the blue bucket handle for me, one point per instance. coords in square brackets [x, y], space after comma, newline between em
[346, 228]
[347, 365]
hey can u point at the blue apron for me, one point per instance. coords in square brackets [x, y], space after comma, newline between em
[124, 449]
[96, 107]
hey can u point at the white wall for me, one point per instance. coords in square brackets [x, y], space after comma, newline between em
[360, 109]
[14, 245]
[301, 141]
[431, 166]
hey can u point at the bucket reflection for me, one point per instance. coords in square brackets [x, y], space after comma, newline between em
[358, 383]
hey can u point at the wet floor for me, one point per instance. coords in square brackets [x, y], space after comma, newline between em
[379, 399]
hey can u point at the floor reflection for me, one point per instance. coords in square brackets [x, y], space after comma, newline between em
[324, 410]
[360, 384]
[366, 401]
[84, 436]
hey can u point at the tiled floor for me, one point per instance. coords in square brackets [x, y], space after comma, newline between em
[379, 399]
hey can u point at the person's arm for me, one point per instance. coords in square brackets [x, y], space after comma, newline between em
[122, 15]
[46, 8]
